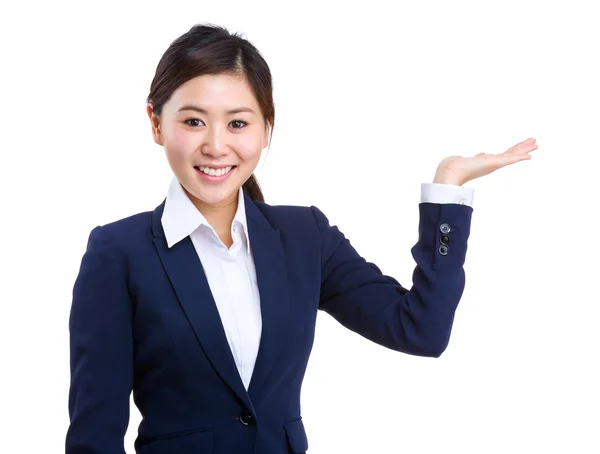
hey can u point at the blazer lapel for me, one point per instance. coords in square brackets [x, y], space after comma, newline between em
[271, 273]
[187, 276]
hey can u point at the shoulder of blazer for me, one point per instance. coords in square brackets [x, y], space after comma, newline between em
[288, 217]
[122, 234]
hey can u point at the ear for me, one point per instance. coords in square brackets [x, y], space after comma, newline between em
[266, 137]
[155, 123]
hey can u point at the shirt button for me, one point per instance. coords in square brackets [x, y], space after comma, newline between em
[445, 228]
[443, 249]
[462, 202]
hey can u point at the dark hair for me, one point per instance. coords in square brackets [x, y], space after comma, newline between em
[211, 49]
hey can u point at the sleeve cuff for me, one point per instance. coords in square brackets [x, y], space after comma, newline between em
[446, 193]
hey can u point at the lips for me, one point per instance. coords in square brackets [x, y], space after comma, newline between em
[214, 167]
[214, 178]
[218, 169]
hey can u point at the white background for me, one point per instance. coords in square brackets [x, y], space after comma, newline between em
[369, 98]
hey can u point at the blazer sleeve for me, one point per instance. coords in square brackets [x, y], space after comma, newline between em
[101, 351]
[416, 321]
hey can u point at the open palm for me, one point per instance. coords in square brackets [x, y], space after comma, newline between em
[465, 169]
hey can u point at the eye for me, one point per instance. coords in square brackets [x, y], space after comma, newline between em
[196, 122]
[238, 122]
[187, 122]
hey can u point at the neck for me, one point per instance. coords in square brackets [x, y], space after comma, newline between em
[219, 216]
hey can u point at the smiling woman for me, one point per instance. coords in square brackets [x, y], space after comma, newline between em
[211, 105]
[208, 123]
[206, 306]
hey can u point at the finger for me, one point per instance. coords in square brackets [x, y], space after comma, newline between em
[502, 160]
[512, 159]
[526, 148]
[522, 147]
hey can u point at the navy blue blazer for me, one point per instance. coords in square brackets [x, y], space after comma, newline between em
[143, 319]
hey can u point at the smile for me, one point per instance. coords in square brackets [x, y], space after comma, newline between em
[214, 175]
[214, 172]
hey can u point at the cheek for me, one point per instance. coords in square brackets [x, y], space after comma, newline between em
[248, 152]
[178, 146]
[249, 155]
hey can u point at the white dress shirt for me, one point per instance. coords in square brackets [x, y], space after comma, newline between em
[231, 273]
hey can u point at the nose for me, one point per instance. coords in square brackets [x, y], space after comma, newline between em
[215, 142]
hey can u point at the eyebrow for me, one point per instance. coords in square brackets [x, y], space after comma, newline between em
[204, 111]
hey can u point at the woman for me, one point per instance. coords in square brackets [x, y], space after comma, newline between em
[205, 307]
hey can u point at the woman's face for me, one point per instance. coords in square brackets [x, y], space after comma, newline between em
[211, 121]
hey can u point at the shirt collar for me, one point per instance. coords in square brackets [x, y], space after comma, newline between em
[181, 217]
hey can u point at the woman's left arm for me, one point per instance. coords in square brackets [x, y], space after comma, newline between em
[416, 321]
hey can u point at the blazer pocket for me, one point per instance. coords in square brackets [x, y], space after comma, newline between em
[197, 441]
[296, 436]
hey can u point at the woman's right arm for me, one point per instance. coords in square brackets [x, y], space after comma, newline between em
[101, 346]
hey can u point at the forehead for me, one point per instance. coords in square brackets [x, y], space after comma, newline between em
[215, 91]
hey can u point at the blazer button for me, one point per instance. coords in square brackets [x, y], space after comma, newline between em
[445, 239]
[445, 228]
[443, 249]
[246, 418]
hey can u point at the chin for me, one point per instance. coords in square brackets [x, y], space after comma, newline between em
[215, 195]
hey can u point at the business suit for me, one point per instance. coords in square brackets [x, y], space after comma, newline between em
[163, 337]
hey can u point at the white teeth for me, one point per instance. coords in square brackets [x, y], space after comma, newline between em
[215, 172]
